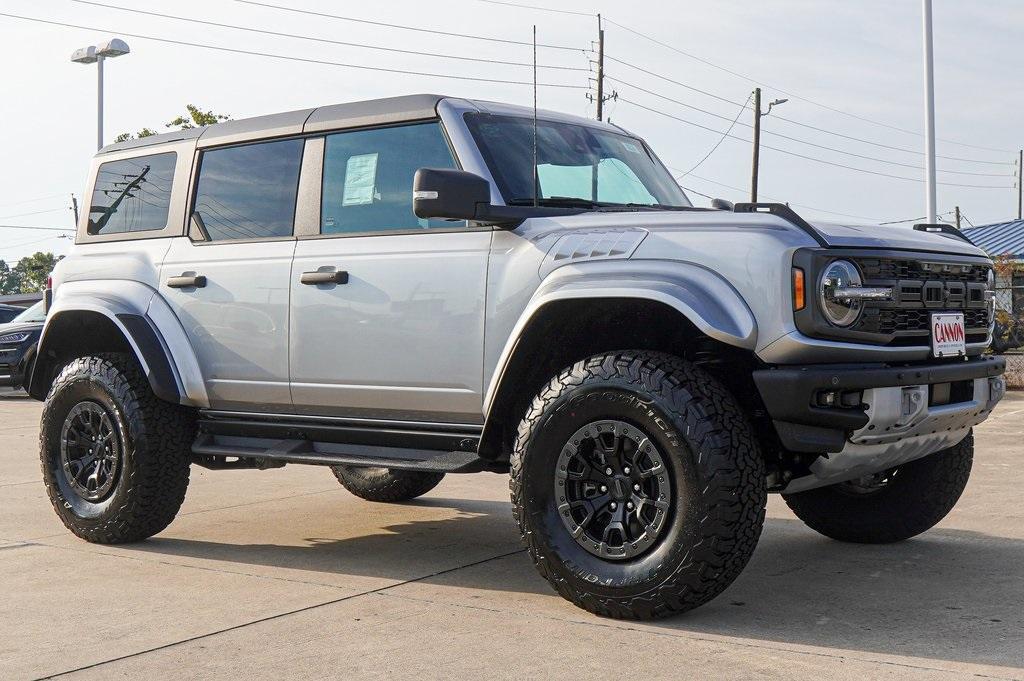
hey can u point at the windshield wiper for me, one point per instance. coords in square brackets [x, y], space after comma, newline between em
[563, 201]
[605, 206]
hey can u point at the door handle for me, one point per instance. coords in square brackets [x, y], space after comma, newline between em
[322, 277]
[187, 281]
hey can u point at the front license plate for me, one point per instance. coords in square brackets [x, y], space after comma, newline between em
[948, 335]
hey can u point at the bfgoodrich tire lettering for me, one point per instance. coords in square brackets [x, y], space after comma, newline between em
[910, 499]
[711, 457]
[150, 438]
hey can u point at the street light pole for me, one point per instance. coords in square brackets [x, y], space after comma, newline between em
[929, 115]
[99, 102]
[115, 47]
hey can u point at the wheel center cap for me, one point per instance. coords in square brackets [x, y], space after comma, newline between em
[620, 488]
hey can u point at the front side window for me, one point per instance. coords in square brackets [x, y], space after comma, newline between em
[368, 177]
[248, 192]
[576, 164]
[132, 195]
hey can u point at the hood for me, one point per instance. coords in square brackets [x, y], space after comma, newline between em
[742, 226]
[902, 237]
[20, 327]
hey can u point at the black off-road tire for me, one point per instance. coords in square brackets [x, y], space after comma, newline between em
[915, 498]
[386, 485]
[712, 459]
[154, 438]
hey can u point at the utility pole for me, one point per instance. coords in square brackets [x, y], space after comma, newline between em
[108, 211]
[758, 115]
[957, 216]
[601, 97]
[757, 145]
[929, 113]
[74, 207]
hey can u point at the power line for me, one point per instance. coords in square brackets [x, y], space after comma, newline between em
[327, 40]
[407, 28]
[720, 140]
[38, 198]
[694, 191]
[46, 229]
[542, 9]
[798, 205]
[806, 157]
[791, 121]
[35, 212]
[917, 219]
[799, 140]
[33, 241]
[793, 94]
[750, 79]
[306, 60]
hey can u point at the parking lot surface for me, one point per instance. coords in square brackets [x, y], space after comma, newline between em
[283, 574]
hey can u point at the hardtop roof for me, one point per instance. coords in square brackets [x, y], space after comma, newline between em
[350, 114]
[335, 117]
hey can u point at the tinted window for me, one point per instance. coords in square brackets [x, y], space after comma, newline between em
[132, 195]
[368, 177]
[248, 192]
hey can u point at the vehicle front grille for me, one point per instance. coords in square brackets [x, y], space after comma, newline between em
[921, 288]
[919, 270]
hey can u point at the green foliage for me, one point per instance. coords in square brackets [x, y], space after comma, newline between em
[9, 282]
[29, 275]
[195, 117]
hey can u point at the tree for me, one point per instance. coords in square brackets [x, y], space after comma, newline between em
[9, 280]
[195, 117]
[33, 270]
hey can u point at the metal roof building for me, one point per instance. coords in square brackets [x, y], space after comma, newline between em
[1001, 238]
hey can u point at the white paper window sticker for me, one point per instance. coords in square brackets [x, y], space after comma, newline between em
[360, 180]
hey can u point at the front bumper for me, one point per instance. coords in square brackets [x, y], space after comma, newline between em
[869, 418]
[14, 363]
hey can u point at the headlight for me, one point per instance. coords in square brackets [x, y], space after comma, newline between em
[839, 274]
[14, 338]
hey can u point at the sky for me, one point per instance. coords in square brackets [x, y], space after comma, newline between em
[852, 72]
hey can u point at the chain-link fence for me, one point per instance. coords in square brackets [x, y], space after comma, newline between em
[1008, 335]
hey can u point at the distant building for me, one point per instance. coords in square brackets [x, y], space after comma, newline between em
[1004, 241]
[21, 299]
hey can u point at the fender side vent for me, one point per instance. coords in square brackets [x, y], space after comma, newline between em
[611, 244]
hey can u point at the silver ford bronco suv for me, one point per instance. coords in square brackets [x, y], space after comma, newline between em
[404, 288]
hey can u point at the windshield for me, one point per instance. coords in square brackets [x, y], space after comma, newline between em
[36, 313]
[575, 164]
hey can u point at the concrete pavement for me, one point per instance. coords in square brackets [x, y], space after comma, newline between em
[281, 573]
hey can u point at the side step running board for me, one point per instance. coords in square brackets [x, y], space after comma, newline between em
[217, 452]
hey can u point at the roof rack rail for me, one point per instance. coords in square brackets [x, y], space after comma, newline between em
[786, 213]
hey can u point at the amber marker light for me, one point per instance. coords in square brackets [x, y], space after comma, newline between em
[799, 290]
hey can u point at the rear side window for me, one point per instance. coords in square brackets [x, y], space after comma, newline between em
[248, 192]
[368, 177]
[132, 195]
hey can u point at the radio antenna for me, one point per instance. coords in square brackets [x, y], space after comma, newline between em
[536, 180]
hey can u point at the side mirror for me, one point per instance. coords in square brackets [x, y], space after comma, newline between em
[722, 204]
[451, 194]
